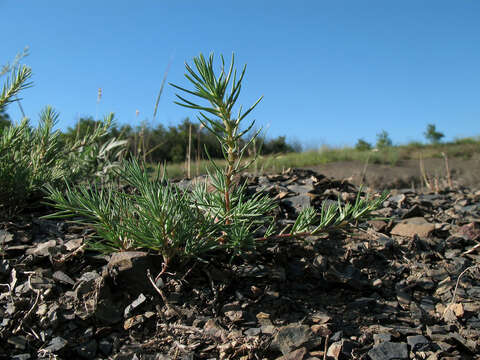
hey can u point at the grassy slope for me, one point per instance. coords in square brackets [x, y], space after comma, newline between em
[464, 148]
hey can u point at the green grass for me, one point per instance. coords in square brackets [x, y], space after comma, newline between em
[465, 148]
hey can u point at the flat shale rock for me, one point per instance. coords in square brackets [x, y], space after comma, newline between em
[389, 351]
[298, 202]
[413, 226]
[298, 354]
[291, 337]
[128, 269]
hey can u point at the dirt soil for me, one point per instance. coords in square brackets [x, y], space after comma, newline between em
[405, 174]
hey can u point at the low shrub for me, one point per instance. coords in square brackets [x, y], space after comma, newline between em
[30, 157]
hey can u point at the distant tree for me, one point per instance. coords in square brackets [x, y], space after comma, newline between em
[383, 140]
[432, 135]
[277, 145]
[362, 145]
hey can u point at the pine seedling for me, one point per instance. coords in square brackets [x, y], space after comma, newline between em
[336, 216]
[155, 216]
[227, 204]
[218, 117]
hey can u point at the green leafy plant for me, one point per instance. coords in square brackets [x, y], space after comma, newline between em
[32, 157]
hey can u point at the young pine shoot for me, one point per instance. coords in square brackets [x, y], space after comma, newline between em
[218, 117]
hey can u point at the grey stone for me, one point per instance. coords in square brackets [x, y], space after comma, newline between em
[21, 357]
[430, 197]
[403, 298]
[88, 333]
[87, 350]
[252, 331]
[298, 354]
[56, 344]
[379, 338]
[337, 336]
[348, 275]
[300, 189]
[397, 199]
[291, 337]
[234, 315]
[53, 315]
[42, 249]
[73, 244]
[320, 318]
[88, 276]
[20, 342]
[267, 329]
[60, 276]
[213, 329]
[334, 350]
[438, 329]
[298, 202]
[389, 351]
[474, 322]
[468, 344]
[135, 304]
[93, 298]
[385, 242]
[108, 312]
[5, 267]
[105, 347]
[412, 212]
[128, 270]
[5, 237]
[418, 342]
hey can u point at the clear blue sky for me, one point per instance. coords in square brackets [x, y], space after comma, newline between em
[331, 71]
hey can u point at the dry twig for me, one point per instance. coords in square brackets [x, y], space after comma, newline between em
[162, 295]
[456, 286]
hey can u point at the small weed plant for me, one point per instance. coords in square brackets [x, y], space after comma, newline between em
[176, 223]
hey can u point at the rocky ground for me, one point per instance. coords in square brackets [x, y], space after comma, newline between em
[404, 288]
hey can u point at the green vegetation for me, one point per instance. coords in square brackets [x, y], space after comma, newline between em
[464, 148]
[242, 216]
[363, 145]
[432, 135]
[383, 140]
[223, 125]
[171, 144]
[182, 224]
[83, 174]
[33, 157]
[157, 216]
